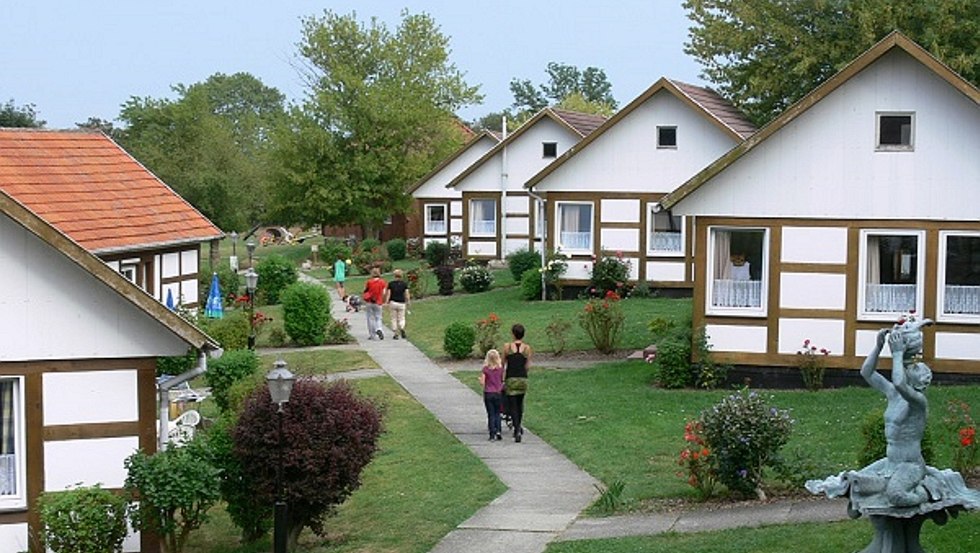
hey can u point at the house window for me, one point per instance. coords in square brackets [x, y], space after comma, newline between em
[12, 454]
[960, 275]
[483, 217]
[549, 150]
[575, 227]
[665, 233]
[737, 271]
[435, 219]
[666, 137]
[890, 273]
[128, 272]
[895, 131]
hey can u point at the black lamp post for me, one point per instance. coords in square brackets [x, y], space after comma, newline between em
[251, 283]
[250, 246]
[280, 385]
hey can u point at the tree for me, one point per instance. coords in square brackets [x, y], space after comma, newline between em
[101, 125]
[378, 116]
[766, 54]
[329, 435]
[211, 144]
[564, 81]
[23, 116]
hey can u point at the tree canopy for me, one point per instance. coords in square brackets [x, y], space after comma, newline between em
[378, 115]
[211, 144]
[12, 115]
[766, 54]
[589, 85]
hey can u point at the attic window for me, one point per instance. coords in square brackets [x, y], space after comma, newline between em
[549, 150]
[666, 137]
[895, 131]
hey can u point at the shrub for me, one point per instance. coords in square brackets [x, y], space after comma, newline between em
[961, 434]
[366, 259]
[229, 280]
[555, 267]
[475, 279]
[413, 248]
[83, 520]
[173, 491]
[437, 253]
[275, 274]
[811, 365]
[488, 333]
[707, 373]
[251, 514]
[672, 366]
[231, 331]
[177, 364]
[225, 371]
[330, 433]
[610, 274]
[338, 332]
[744, 434]
[369, 244]
[445, 276]
[397, 249]
[557, 333]
[531, 285]
[458, 340]
[306, 312]
[418, 281]
[876, 444]
[522, 261]
[277, 337]
[696, 460]
[334, 249]
[603, 320]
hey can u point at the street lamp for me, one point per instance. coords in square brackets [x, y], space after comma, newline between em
[234, 251]
[280, 385]
[250, 246]
[251, 283]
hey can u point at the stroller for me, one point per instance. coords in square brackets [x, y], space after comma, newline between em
[354, 303]
[505, 417]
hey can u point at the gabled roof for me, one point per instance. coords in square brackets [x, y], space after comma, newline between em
[495, 137]
[705, 101]
[62, 243]
[88, 187]
[895, 40]
[581, 124]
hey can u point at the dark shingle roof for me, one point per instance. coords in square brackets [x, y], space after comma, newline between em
[583, 123]
[718, 107]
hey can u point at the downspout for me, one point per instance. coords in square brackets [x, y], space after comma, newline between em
[164, 388]
[544, 238]
[503, 192]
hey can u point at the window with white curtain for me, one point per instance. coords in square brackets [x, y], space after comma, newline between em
[483, 217]
[574, 227]
[665, 232]
[12, 454]
[891, 272]
[435, 219]
[737, 270]
[959, 288]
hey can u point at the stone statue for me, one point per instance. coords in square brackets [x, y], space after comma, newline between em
[898, 493]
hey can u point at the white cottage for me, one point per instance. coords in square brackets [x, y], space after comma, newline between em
[860, 203]
[601, 194]
[438, 208]
[78, 344]
[498, 214]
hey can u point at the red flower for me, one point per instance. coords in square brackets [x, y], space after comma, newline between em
[967, 435]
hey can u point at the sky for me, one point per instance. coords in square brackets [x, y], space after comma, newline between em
[79, 59]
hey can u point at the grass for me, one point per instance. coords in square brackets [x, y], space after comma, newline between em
[431, 316]
[316, 362]
[960, 535]
[611, 422]
[420, 485]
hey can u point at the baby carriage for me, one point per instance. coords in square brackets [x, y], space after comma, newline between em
[353, 303]
[505, 417]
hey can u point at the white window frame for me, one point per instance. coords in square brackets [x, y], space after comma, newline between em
[667, 146]
[879, 147]
[428, 219]
[545, 144]
[664, 253]
[558, 217]
[941, 314]
[128, 271]
[760, 311]
[891, 316]
[473, 232]
[19, 499]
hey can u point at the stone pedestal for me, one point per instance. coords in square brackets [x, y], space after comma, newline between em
[896, 535]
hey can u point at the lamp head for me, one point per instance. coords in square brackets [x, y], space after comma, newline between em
[280, 382]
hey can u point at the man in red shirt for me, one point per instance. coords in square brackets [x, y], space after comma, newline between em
[374, 291]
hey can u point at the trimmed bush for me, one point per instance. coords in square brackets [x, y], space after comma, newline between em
[531, 285]
[397, 249]
[445, 276]
[334, 249]
[247, 511]
[522, 261]
[672, 366]
[437, 253]
[276, 273]
[610, 274]
[225, 371]
[85, 519]
[475, 279]
[458, 340]
[306, 312]
[338, 332]
[369, 244]
[231, 331]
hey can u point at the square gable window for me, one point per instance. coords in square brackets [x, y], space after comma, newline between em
[549, 150]
[666, 137]
[895, 131]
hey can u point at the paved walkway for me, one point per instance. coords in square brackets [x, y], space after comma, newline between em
[546, 492]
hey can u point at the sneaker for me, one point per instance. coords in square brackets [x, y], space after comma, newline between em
[491, 438]
[395, 337]
[498, 437]
[517, 438]
[381, 335]
[403, 333]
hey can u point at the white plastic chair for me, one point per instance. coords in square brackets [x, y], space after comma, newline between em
[181, 429]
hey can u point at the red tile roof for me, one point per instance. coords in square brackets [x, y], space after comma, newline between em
[89, 188]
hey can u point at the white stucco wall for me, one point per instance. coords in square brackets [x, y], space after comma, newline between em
[619, 211]
[90, 397]
[821, 245]
[435, 186]
[480, 248]
[619, 239]
[822, 333]
[88, 462]
[812, 291]
[737, 338]
[13, 537]
[665, 271]
[957, 345]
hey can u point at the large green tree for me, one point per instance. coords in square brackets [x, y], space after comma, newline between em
[211, 144]
[12, 115]
[378, 115]
[766, 54]
[589, 87]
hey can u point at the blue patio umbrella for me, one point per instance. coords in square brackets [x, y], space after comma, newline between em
[170, 299]
[214, 308]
